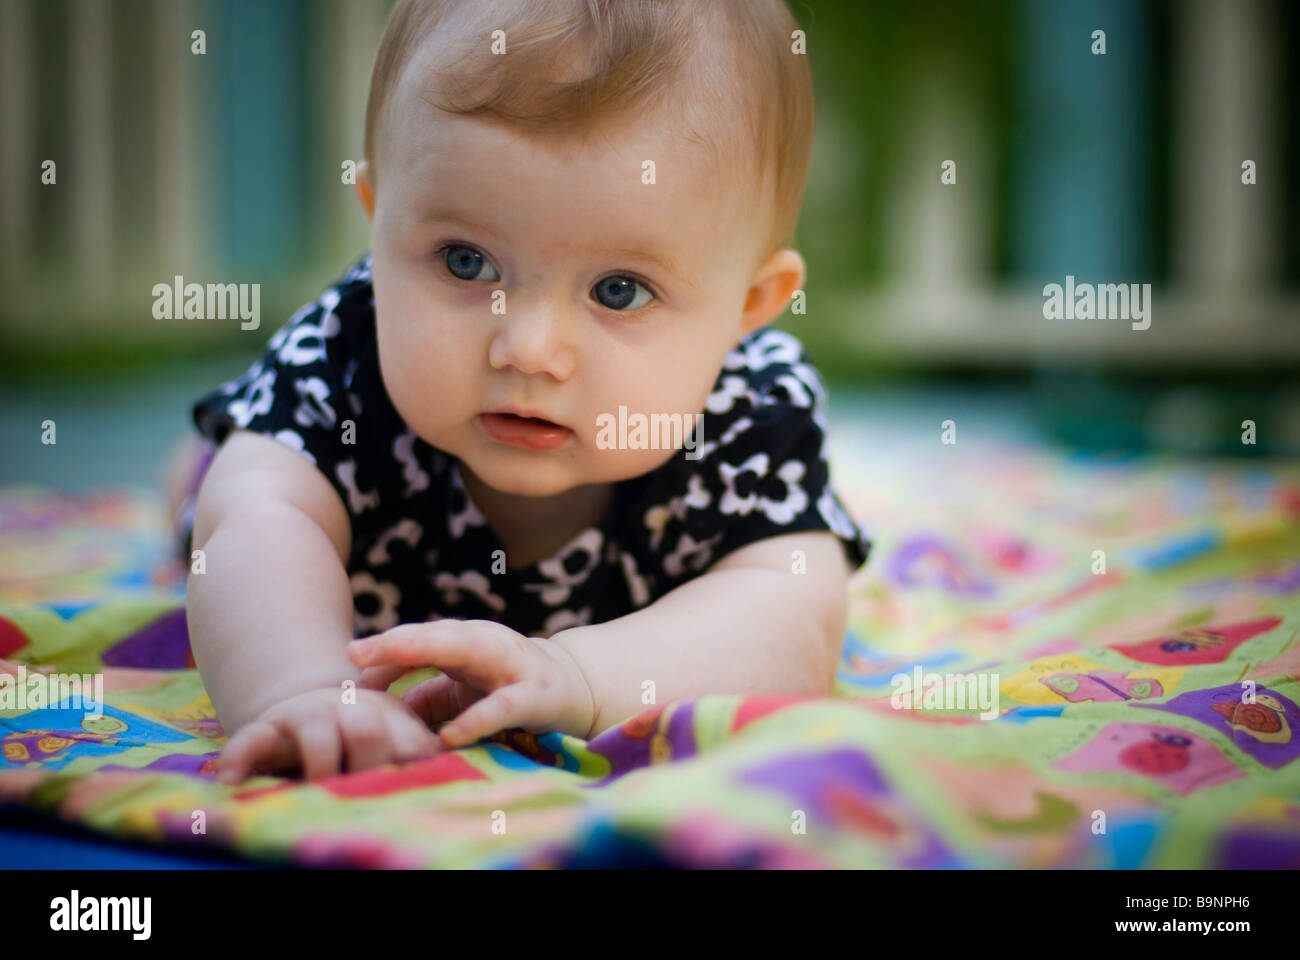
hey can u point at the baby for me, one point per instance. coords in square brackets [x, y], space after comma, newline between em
[580, 212]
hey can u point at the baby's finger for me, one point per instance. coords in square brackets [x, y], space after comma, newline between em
[380, 678]
[518, 705]
[461, 648]
[439, 698]
[319, 749]
[365, 737]
[260, 744]
[410, 739]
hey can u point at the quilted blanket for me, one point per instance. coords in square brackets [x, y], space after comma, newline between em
[1052, 661]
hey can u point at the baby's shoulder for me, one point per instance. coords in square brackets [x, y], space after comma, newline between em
[338, 324]
[769, 371]
[316, 387]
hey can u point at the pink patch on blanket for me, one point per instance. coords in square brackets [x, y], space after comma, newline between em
[447, 767]
[755, 708]
[353, 851]
[444, 768]
[1013, 554]
[1176, 758]
[1197, 644]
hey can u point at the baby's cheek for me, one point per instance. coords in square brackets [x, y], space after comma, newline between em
[426, 379]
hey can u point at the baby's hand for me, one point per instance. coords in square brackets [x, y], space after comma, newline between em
[317, 732]
[492, 678]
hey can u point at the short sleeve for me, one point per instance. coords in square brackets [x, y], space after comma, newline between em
[298, 391]
[761, 470]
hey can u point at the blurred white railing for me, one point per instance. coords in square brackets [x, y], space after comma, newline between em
[130, 202]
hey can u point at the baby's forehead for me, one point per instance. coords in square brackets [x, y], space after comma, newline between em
[696, 108]
[653, 148]
[639, 189]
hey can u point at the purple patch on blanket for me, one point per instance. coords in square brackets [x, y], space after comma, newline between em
[163, 645]
[922, 561]
[806, 777]
[1263, 728]
[188, 764]
[646, 739]
[1258, 849]
[845, 788]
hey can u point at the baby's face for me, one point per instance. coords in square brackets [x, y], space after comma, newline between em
[613, 292]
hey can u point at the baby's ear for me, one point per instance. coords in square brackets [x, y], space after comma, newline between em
[365, 191]
[770, 289]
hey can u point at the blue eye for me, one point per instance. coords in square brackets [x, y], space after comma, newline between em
[621, 293]
[467, 263]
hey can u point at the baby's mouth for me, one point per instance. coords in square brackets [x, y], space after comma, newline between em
[537, 420]
[516, 430]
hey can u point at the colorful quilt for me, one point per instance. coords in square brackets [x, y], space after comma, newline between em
[1137, 621]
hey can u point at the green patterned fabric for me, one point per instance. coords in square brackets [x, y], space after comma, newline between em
[1137, 619]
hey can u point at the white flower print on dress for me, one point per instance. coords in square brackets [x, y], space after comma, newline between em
[360, 271]
[306, 342]
[565, 619]
[796, 389]
[386, 596]
[328, 301]
[733, 388]
[732, 432]
[313, 407]
[690, 553]
[256, 402]
[637, 588]
[556, 569]
[657, 517]
[293, 440]
[357, 501]
[778, 511]
[468, 515]
[733, 502]
[348, 376]
[471, 581]
[414, 475]
[809, 377]
[796, 499]
[769, 347]
[406, 531]
[834, 516]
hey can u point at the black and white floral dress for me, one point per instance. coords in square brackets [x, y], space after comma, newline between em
[422, 551]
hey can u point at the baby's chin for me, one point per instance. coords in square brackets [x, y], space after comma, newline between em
[533, 475]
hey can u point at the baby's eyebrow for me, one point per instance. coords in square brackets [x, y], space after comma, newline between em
[442, 216]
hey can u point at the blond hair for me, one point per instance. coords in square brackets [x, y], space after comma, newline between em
[727, 68]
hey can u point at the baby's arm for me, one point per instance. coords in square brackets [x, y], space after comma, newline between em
[748, 625]
[271, 615]
[270, 618]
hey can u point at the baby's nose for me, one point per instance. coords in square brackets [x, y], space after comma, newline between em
[534, 338]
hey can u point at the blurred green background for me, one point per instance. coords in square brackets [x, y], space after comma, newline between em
[1115, 168]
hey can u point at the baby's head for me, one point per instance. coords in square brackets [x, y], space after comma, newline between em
[577, 205]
